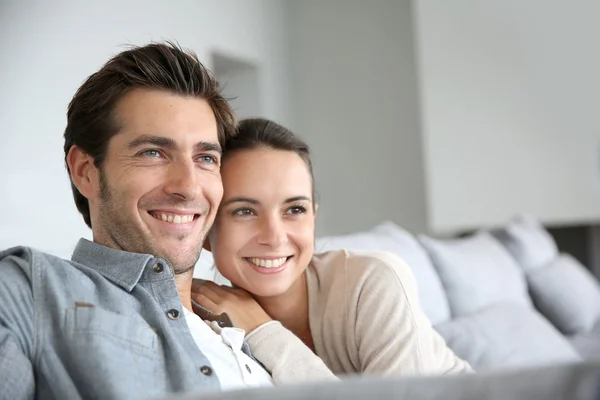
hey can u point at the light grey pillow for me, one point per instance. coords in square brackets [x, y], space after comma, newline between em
[476, 272]
[391, 238]
[527, 241]
[567, 294]
[506, 335]
[587, 344]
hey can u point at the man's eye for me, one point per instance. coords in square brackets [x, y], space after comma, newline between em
[151, 153]
[208, 159]
[243, 212]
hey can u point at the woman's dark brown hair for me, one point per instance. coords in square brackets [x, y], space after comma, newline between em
[255, 133]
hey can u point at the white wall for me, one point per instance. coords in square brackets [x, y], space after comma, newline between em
[49, 48]
[509, 105]
[355, 101]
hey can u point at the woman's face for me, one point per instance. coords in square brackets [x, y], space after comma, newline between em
[263, 236]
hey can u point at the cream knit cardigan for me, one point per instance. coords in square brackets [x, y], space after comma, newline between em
[364, 317]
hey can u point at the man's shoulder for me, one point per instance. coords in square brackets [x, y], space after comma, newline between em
[32, 261]
[25, 256]
[31, 273]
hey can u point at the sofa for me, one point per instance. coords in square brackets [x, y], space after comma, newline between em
[556, 382]
[525, 315]
[502, 298]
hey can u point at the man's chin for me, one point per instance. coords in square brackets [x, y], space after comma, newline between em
[182, 263]
[181, 269]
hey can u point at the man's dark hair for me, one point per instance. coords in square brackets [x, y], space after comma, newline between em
[162, 66]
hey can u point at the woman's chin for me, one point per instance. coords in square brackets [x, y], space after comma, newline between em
[270, 291]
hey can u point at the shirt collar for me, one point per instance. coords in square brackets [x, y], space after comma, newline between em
[121, 267]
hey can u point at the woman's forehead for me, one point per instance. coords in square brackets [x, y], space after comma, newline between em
[266, 171]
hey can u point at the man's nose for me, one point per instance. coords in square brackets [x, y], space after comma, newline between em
[183, 180]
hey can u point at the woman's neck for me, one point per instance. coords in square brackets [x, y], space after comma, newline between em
[291, 309]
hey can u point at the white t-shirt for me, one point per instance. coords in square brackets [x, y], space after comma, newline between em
[223, 348]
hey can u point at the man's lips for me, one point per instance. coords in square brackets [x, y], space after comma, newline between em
[174, 217]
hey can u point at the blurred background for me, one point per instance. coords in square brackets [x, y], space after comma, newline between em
[441, 116]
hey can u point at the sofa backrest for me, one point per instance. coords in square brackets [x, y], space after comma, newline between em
[389, 237]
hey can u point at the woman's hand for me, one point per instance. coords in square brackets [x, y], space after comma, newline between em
[244, 311]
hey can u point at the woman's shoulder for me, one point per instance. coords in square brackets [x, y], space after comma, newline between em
[378, 267]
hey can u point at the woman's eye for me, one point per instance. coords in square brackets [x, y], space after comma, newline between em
[243, 212]
[296, 210]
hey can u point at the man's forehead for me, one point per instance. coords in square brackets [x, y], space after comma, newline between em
[182, 120]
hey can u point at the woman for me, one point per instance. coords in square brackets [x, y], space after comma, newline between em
[308, 316]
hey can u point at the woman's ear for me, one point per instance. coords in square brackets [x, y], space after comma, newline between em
[316, 208]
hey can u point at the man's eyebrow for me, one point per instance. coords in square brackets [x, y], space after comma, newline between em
[209, 146]
[240, 199]
[168, 143]
[158, 141]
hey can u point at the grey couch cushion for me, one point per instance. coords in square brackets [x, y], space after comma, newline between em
[567, 294]
[476, 272]
[527, 241]
[506, 335]
[588, 344]
[389, 237]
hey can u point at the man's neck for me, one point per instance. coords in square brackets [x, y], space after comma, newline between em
[184, 287]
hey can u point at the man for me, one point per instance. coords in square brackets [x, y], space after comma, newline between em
[142, 146]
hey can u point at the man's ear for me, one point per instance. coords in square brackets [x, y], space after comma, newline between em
[83, 171]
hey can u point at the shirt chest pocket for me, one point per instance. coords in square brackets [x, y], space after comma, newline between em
[105, 346]
[124, 332]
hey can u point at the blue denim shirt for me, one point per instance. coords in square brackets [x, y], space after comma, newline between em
[107, 324]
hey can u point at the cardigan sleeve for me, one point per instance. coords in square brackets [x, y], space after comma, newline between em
[285, 356]
[392, 334]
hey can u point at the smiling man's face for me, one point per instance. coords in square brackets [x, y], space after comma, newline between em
[160, 185]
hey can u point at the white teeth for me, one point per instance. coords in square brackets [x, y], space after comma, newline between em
[260, 262]
[176, 219]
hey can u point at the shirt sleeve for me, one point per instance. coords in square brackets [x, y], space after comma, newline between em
[285, 356]
[16, 326]
[392, 333]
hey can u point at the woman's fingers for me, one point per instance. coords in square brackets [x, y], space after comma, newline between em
[196, 283]
[244, 311]
[205, 302]
[211, 293]
[222, 291]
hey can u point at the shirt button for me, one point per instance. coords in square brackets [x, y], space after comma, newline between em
[173, 314]
[206, 370]
[158, 268]
[248, 369]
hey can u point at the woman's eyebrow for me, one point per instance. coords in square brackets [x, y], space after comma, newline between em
[240, 199]
[297, 198]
